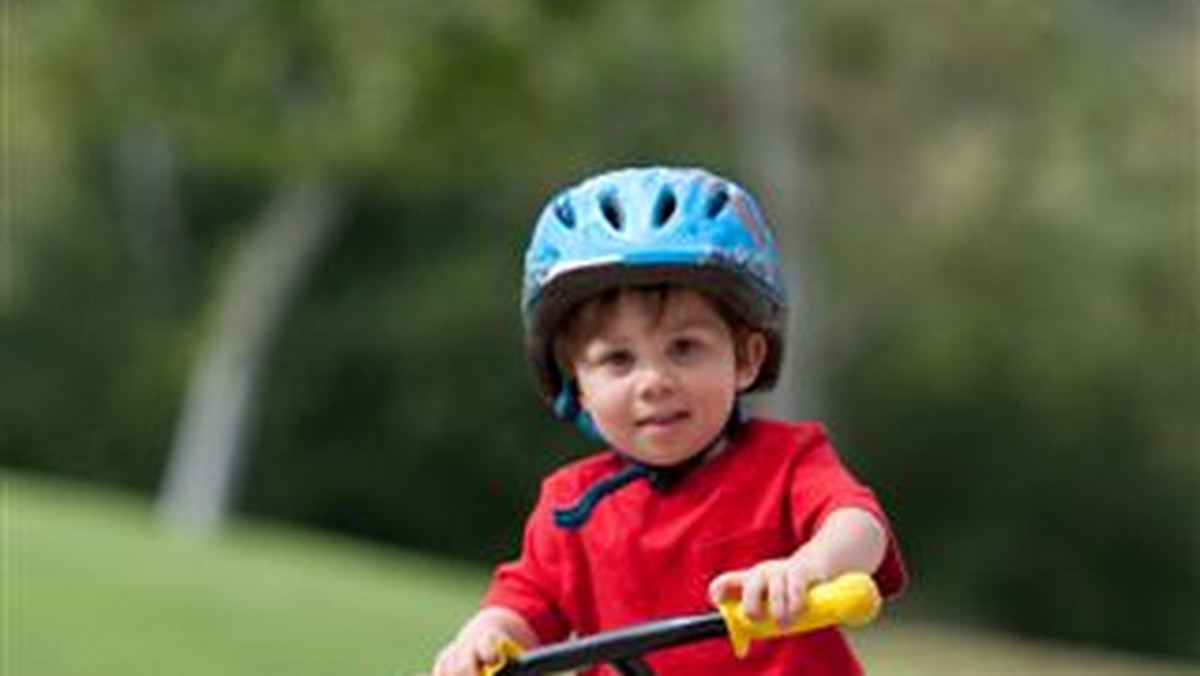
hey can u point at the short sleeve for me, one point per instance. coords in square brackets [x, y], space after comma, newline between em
[531, 585]
[820, 485]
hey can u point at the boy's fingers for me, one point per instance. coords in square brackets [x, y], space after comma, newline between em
[490, 651]
[798, 584]
[754, 591]
[441, 664]
[744, 586]
[724, 586]
[467, 662]
[779, 600]
[445, 667]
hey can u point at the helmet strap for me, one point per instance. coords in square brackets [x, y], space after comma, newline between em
[566, 406]
[660, 478]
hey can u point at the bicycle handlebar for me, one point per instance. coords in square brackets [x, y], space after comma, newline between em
[851, 599]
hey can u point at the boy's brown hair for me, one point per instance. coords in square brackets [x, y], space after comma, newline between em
[586, 319]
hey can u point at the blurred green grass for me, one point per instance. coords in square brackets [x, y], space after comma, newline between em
[92, 585]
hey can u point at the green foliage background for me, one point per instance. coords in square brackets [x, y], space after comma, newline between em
[1005, 196]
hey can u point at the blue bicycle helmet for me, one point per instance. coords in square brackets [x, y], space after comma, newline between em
[647, 226]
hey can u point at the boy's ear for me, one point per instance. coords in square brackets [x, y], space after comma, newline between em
[750, 359]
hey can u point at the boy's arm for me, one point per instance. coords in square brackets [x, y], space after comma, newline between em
[849, 539]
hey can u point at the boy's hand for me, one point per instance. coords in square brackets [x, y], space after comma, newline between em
[479, 643]
[850, 539]
[468, 653]
[775, 587]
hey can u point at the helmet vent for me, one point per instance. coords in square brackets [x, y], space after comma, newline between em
[716, 202]
[565, 214]
[612, 211]
[664, 208]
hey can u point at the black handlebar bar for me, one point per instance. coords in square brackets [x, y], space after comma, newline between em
[621, 648]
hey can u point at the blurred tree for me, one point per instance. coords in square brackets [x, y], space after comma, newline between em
[1017, 316]
[222, 391]
[766, 78]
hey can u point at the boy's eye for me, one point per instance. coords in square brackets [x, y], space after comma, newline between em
[616, 358]
[684, 347]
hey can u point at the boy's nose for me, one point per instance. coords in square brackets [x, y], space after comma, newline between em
[656, 380]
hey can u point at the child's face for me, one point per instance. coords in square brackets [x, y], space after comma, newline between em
[660, 386]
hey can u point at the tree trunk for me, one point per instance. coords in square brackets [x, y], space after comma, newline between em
[766, 85]
[266, 274]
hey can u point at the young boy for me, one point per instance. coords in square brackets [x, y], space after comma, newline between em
[653, 300]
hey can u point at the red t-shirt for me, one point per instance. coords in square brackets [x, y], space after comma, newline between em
[647, 554]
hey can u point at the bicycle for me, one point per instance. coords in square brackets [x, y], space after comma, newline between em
[850, 600]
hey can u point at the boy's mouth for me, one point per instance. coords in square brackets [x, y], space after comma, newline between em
[662, 419]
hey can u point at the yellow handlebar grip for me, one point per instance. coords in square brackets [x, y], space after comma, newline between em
[508, 649]
[850, 599]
